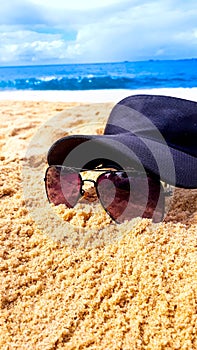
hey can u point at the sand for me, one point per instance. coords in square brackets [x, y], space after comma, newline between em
[138, 292]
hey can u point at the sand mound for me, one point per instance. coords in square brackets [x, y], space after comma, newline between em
[136, 293]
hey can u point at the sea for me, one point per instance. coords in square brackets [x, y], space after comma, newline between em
[96, 76]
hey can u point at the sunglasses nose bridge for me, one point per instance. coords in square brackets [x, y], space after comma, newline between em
[83, 182]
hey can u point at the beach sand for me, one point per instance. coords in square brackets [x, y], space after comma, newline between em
[139, 292]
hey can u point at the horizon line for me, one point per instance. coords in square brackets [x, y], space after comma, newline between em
[94, 63]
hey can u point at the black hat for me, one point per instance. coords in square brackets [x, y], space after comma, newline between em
[158, 132]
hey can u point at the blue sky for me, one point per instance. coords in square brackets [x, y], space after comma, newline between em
[72, 31]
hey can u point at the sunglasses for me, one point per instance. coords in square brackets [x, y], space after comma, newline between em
[123, 194]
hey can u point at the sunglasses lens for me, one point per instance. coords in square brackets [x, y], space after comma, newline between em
[62, 186]
[113, 192]
[156, 201]
[126, 197]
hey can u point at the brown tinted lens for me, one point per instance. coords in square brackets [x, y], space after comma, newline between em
[114, 191]
[126, 197]
[156, 201]
[62, 186]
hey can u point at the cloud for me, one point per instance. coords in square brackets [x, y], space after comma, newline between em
[137, 33]
[76, 4]
[107, 31]
[31, 47]
[19, 12]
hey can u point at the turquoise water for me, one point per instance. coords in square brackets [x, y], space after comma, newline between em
[121, 75]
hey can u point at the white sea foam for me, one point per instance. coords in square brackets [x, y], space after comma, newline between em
[93, 96]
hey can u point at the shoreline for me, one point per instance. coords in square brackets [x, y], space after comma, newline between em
[92, 96]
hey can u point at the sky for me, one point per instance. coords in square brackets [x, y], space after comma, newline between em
[86, 31]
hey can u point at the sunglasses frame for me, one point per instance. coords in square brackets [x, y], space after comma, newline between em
[167, 189]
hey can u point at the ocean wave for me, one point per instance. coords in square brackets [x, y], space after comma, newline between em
[91, 82]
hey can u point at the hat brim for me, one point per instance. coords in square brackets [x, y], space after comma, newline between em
[169, 164]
